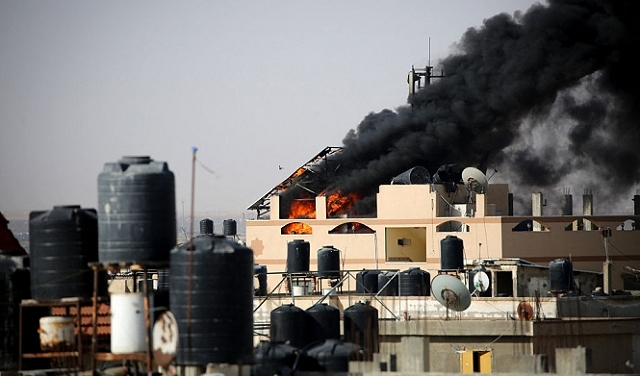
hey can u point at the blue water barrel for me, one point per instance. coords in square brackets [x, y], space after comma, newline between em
[215, 320]
[62, 243]
[136, 211]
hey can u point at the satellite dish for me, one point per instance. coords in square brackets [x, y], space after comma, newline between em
[165, 339]
[450, 292]
[525, 311]
[475, 180]
[481, 281]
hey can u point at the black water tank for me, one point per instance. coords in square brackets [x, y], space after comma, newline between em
[334, 355]
[298, 253]
[289, 325]
[230, 227]
[260, 272]
[415, 282]
[62, 242]
[220, 302]
[272, 358]
[206, 227]
[388, 284]
[560, 276]
[136, 211]
[361, 327]
[14, 287]
[451, 253]
[324, 322]
[328, 262]
[367, 281]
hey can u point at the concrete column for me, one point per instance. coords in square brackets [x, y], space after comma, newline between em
[536, 209]
[415, 354]
[566, 203]
[587, 208]
[274, 207]
[321, 207]
[481, 205]
[573, 361]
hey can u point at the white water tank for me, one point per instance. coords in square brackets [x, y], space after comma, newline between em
[128, 329]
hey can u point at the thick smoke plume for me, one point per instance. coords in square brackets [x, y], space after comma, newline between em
[549, 97]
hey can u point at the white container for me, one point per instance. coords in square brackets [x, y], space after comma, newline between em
[299, 291]
[128, 330]
[57, 333]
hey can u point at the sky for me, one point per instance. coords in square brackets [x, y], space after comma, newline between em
[253, 85]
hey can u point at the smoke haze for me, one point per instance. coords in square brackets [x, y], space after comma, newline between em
[549, 98]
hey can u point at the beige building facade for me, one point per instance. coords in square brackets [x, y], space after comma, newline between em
[413, 219]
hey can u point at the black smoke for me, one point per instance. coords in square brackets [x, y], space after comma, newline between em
[540, 94]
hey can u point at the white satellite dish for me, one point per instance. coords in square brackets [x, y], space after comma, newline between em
[475, 180]
[450, 292]
[481, 281]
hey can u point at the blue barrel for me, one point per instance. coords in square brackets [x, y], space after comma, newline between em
[211, 296]
[63, 242]
[136, 211]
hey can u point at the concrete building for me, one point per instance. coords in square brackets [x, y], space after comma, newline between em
[412, 220]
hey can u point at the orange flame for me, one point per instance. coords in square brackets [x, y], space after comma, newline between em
[296, 228]
[303, 208]
[339, 203]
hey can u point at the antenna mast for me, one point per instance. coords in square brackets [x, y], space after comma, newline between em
[415, 75]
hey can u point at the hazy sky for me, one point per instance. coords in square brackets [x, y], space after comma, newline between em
[251, 84]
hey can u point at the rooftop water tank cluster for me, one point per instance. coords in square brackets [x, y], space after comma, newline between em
[313, 337]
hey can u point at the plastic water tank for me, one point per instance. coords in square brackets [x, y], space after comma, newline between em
[136, 211]
[560, 275]
[62, 243]
[415, 282]
[324, 322]
[388, 284]
[215, 321]
[230, 227]
[367, 281]
[298, 253]
[361, 327]
[272, 358]
[206, 227]
[334, 355]
[289, 324]
[451, 253]
[328, 262]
